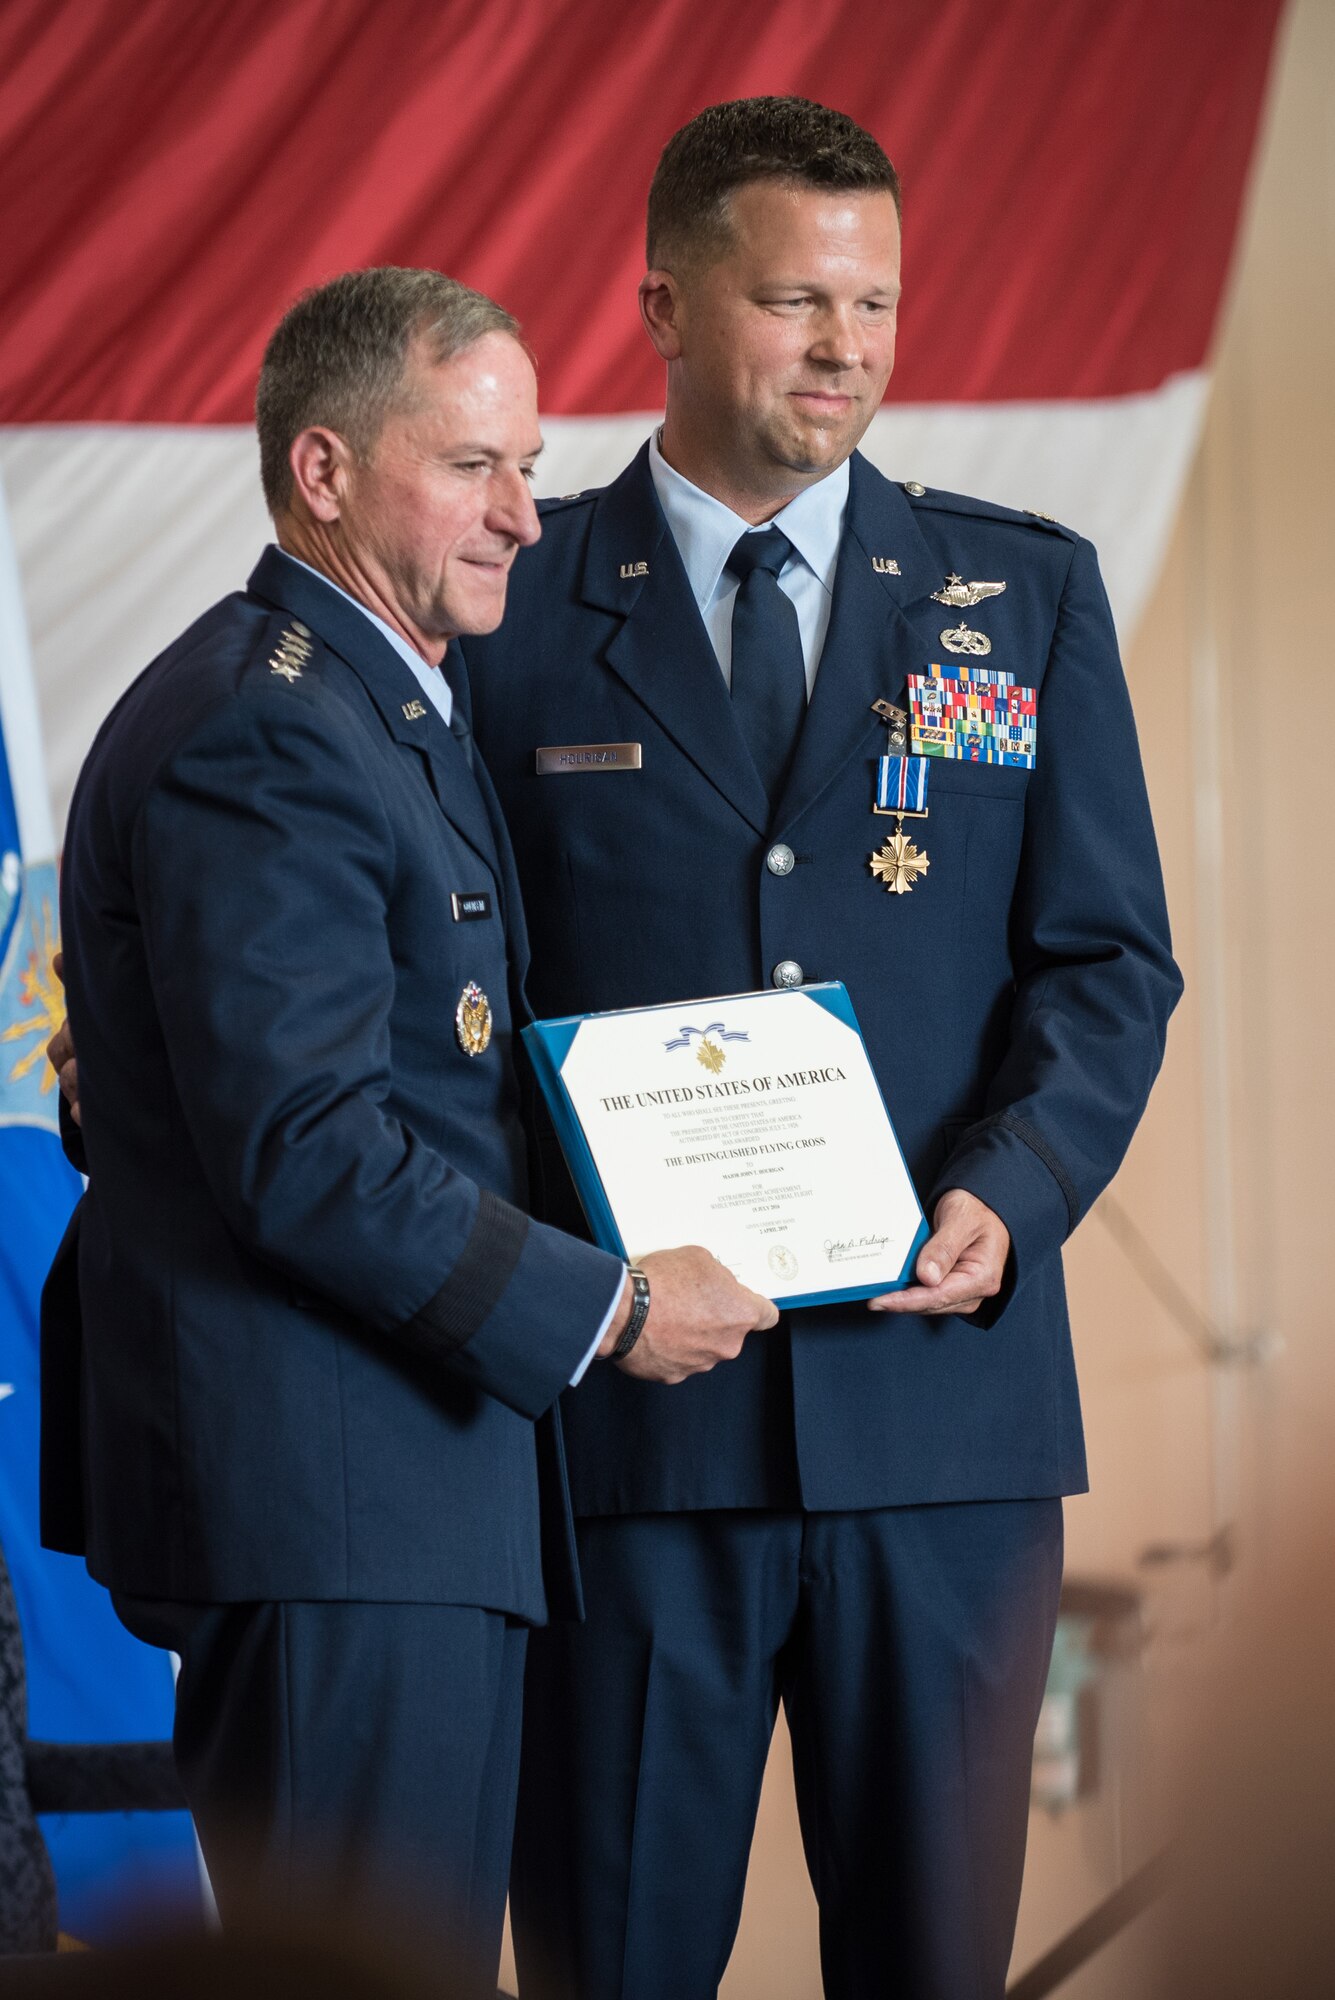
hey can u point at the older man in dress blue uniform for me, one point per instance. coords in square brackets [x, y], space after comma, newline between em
[862, 1518]
[297, 1440]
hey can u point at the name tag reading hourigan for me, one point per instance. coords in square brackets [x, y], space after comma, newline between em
[554, 758]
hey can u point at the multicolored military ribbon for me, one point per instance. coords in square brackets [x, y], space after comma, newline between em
[974, 714]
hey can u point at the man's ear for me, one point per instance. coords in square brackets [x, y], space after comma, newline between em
[319, 459]
[663, 311]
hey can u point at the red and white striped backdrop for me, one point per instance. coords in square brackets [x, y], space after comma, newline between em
[173, 174]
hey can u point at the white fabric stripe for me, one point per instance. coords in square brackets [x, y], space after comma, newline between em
[125, 533]
[19, 726]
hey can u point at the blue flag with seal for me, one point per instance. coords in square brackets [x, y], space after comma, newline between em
[88, 1680]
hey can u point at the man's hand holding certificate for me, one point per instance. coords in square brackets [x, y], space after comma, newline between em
[752, 1125]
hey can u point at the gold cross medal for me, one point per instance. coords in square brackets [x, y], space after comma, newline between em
[901, 790]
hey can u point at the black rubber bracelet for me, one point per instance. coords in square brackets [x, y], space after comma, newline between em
[639, 1313]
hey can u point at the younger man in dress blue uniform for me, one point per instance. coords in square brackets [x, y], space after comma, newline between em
[298, 1440]
[862, 1518]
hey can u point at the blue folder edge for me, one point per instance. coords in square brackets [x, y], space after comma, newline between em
[549, 1043]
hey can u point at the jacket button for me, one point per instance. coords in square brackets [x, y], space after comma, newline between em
[780, 859]
[915, 487]
[787, 973]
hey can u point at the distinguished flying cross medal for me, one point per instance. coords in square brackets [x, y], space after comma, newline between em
[901, 789]
[962, 596]
[472, 1019]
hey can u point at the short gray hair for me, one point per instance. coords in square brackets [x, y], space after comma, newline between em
[339, 355]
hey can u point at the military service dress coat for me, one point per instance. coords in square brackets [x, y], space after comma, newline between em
[318, 1325]
[1014, 1001]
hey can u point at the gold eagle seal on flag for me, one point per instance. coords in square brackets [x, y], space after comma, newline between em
[472, 1019]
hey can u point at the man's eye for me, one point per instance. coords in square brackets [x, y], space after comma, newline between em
[530, 472]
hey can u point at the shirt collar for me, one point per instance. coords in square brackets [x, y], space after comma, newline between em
[429, 676]
[705, 531]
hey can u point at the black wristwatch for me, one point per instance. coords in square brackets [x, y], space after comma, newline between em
[639, 1313]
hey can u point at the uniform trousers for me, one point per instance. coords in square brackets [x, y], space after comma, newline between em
[363, 1753]
[909, 1647]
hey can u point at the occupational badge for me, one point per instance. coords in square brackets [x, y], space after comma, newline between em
[962, 596]
[961, 639]
[472, 1019]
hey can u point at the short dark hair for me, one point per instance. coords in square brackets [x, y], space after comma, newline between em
[753, 139]
[338, 357]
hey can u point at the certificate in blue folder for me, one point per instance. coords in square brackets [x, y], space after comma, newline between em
[751, 1123]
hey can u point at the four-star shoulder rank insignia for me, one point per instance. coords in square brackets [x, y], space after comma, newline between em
[292, 652]
[962, 596]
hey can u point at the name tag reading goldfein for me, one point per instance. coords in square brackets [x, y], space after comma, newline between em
[470, 907]
[557, 757]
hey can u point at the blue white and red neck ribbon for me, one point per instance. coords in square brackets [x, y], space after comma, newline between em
[901, 784]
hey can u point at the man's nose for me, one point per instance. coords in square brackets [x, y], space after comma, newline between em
[838, 339]
[513, 512]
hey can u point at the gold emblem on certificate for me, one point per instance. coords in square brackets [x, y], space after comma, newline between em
[709, 1055]
[472, 1019]
[899, 863]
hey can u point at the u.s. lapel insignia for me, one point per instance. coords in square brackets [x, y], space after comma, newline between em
[472, 1019]
[413, 711]
[962, 596]
[960, 639]
[634, 569]
[885, 565]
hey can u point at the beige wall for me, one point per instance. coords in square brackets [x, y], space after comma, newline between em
[1245, 609]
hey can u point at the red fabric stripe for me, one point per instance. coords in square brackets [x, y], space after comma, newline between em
[175, 174]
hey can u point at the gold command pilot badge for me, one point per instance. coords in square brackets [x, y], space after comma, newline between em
[472, 1019]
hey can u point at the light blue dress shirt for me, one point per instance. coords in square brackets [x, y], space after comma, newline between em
[430, 679]
[437, 690]
[706, 531]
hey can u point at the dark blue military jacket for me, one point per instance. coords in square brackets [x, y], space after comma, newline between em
[1014, 1003]
[317, 1325]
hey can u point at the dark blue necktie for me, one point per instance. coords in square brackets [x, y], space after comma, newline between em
[769, 680]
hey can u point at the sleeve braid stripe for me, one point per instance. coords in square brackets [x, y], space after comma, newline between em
[474, 1287]
[1039, 1145]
